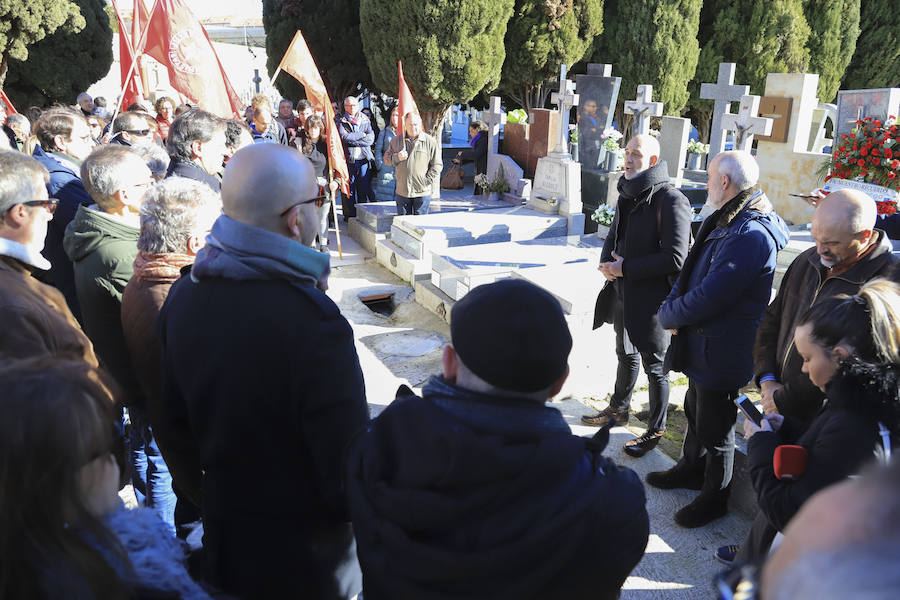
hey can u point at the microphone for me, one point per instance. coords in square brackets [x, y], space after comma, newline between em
[789, 462]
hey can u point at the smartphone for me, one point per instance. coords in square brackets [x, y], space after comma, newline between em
[748, 408]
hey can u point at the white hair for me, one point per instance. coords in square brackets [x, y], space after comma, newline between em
[739, 167]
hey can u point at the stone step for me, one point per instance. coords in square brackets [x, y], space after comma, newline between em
[400, 262]
[379, 216]
[432, 298]
[365, 235]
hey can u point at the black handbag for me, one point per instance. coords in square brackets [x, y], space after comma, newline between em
[604, 308]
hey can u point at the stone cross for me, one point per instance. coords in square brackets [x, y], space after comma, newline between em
[642, 109]
[494, 119]
[746, 123]
[724, 92]
[565, 99]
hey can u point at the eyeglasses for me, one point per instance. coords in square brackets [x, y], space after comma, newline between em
[140, 132]
[301, 203]
[49, 204]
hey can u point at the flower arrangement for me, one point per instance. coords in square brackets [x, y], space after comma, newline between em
[497, 184]
[517, 116]
[871, 153]
[697, 147]
[611, 139]
[604, 215]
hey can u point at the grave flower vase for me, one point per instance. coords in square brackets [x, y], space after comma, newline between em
[694, 161]
[611, 161]
[493, 196]
[602, 231]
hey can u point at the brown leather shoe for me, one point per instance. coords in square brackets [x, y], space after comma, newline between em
[604, 416]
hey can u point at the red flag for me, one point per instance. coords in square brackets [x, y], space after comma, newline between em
[176, 39]
[10, 109]
[133, 89]
[299, 62]
[139, 20]
[405, 102]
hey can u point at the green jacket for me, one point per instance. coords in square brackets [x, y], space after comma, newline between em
[416, 174]
[102, 250]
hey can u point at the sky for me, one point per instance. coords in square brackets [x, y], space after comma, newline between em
[209, 8]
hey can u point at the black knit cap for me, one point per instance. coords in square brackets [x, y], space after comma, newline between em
[512, 334]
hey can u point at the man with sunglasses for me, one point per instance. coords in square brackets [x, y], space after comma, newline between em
[130, 129]
[64, 140]
[34, 318]
[262, 388]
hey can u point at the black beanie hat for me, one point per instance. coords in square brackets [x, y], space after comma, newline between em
[512, 334]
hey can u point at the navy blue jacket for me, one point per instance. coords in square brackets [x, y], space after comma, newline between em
[65, 185]
[718, 300]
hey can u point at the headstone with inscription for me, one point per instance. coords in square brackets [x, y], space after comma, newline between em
[673, 139]
[859, 104]
[598, 92]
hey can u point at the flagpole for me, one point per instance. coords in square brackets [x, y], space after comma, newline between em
[337, 227]
[272, 81]
[133, 60]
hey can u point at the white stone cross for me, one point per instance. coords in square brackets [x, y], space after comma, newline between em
[494, 119]
[565, 99]
[746, 123]
[642, 109]
[724, 92]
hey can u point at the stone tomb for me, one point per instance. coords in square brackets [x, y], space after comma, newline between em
[373, 220]
[455, 271]
[859, 104]
[673, 139]
[414, 237]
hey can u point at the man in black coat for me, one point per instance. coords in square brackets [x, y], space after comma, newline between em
[261, 389]
[641, 258]
[849, 252]
[478, 490]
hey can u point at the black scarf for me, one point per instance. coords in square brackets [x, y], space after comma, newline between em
[657, 175]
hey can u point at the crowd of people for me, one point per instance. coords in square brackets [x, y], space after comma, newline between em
[163, 323]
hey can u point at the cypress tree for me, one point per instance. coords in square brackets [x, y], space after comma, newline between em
[834, 28]
[653, 42]
[876, 62]
[65, 63]
[450, 50]
[539, 37]
[24, 23]
[331, 30]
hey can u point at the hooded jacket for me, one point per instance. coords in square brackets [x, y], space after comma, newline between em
[462, 495]
[102, 250]
[723, 289]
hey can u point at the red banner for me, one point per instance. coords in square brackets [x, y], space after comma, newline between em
[299, 62]
[179, 42]
[10, 109]
[133, 89]
[405, 102]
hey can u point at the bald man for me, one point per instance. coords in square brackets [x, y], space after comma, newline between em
[641, 258]
[262, 388]
[849, 251]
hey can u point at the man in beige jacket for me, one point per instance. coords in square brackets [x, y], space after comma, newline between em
[416, 158]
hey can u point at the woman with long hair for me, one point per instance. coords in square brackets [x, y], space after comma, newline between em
[850, 347]
[64, 532]
[311, 142]
[385, 185]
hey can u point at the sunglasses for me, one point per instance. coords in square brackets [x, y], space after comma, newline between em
[49, 204]
[140, 132]
[301, 203]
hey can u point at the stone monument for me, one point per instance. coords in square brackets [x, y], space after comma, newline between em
[642, 108]
[557, 179]
[746, 123]
[598, 92]
[859, 104]
[724, 92]
[673, 138]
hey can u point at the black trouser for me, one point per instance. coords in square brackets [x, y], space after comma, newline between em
[627, 373]
[709, 442]
[755, 546]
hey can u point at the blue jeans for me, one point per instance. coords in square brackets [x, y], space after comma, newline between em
[412, 206]
[360, 186]
[149, 472]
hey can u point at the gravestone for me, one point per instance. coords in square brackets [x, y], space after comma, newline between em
[724, 92]
[494, 118]
[779, 110]
[527, 142]
[859, 104]
[818, 138]
[598, 93]
[789, 167]
[455, 271]
[643, 108]
[746, 123]
[460, 129]
[673, 139]
[557, 179]
[414, 237]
